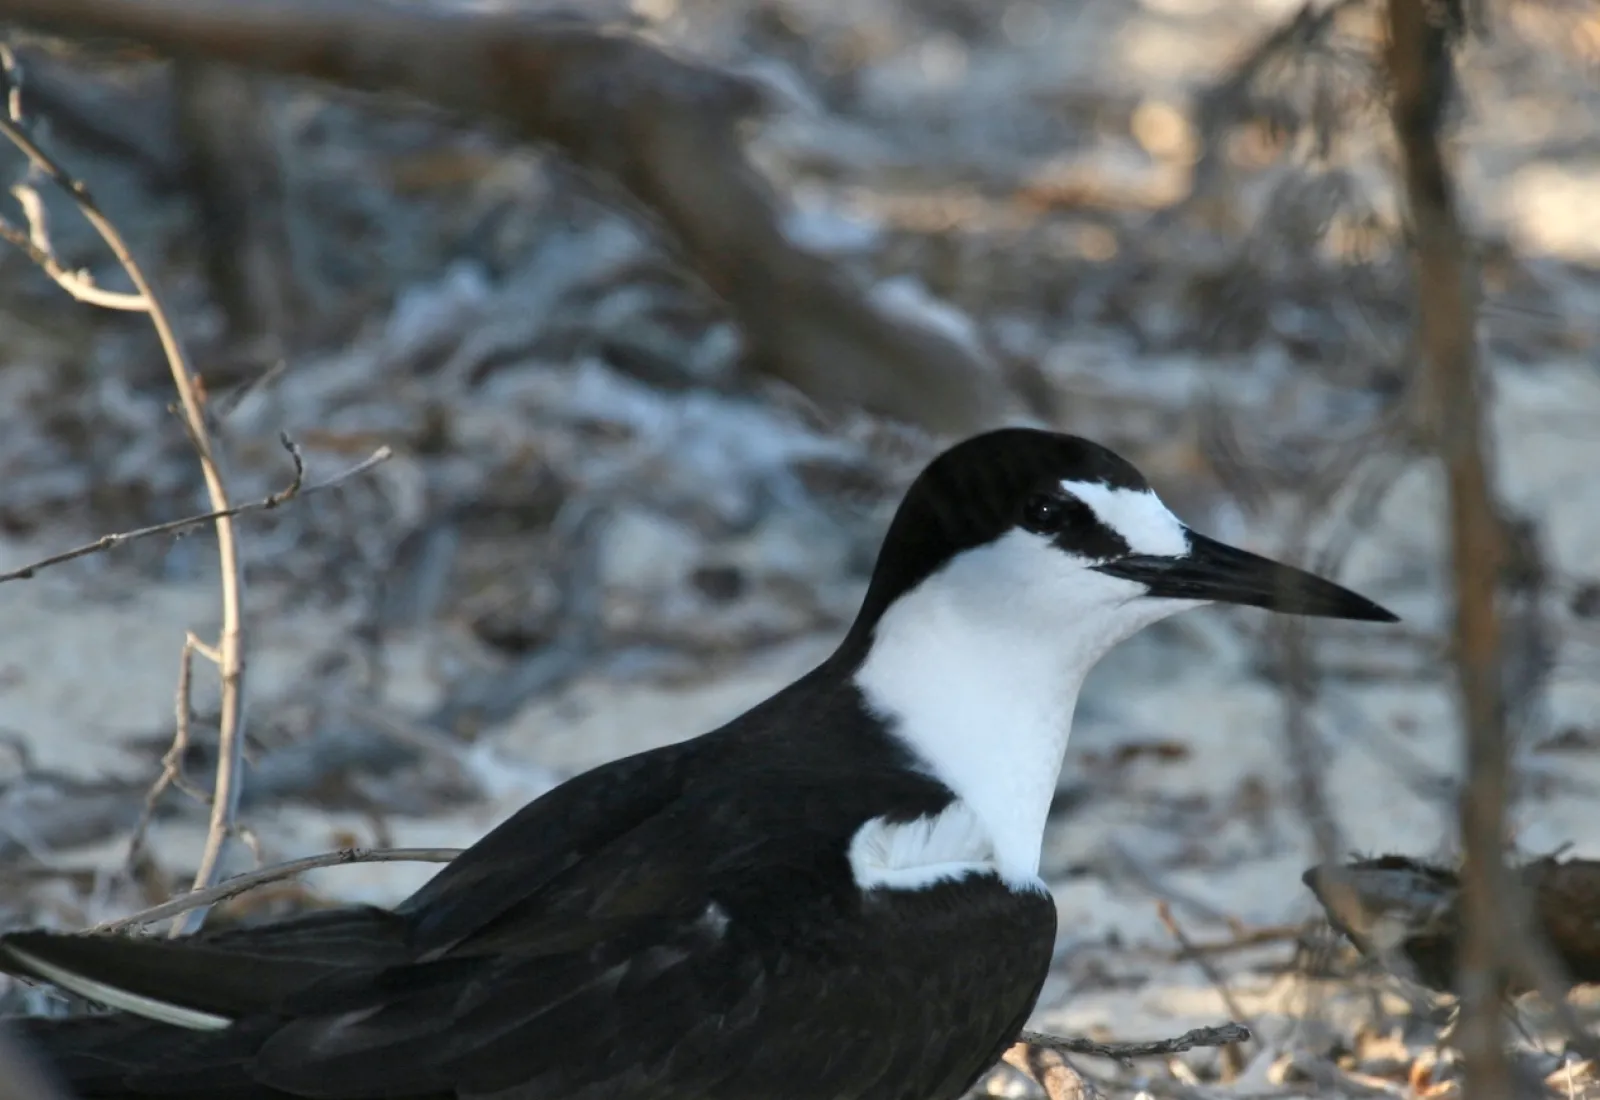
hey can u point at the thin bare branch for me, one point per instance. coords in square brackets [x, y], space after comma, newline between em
[231, 640]
[1232, 1062]
[76, 283]
[1221, 1035]
[14, 78]
[1420, 67]
[292, 491]
[1058, 1077]
[205, 898]
[35, 242]
[172, 774]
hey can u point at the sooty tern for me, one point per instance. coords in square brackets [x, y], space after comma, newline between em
[835, 895]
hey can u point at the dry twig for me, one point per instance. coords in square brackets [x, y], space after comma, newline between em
[1043, 1056]
[295, 489]
[667, 129]
[1050, 1068]
[1231, 1058]
[1221, 1035]
[36, 243]
[239, 884]
[230, 645]
[172, 774]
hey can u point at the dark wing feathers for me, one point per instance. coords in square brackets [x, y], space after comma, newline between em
[612, 950]
[132, 1059]
[517, 860]
[232, 974]
[329, 968]
[363, 933]
[648, 931]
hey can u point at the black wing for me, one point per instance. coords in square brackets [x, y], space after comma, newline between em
[671, 925]
[703, 954]
[552, 834]
[260, 976]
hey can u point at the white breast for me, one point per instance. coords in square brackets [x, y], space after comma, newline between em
[913, 855]
[977, 671]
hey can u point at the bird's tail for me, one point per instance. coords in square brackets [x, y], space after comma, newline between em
[189, 1014]
[123, 1057]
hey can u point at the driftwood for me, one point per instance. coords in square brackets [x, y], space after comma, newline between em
[1406, 915]
[1044, 1057]
[665, 128]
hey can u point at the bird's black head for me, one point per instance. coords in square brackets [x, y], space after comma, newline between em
[1069, 529]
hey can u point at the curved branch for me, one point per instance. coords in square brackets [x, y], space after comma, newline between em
[1219, 1036]
[239, 884]
[230, 646]
[666, 128]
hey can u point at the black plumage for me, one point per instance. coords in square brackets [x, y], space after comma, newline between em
[683, 924]
[679, 923]
[975, 492]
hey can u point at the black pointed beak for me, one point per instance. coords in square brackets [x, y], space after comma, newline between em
[1219, 573]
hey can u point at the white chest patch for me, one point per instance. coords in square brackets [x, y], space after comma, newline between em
[976, 671]
[913, 855]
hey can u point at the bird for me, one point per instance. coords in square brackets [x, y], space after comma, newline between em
[834, 896]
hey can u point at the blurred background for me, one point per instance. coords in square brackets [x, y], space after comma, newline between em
[612, 521]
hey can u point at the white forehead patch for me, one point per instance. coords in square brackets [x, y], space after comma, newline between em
[1137, 515]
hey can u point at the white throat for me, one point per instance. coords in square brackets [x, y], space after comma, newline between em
[978, 670]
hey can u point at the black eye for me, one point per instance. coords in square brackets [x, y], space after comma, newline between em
[1045, 514]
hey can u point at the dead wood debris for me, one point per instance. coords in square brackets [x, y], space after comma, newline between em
[1407, 915]
[666, 129]
[1222, 1035]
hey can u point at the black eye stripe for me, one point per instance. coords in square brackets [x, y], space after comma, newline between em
[1065, 504]
[1081, 512]
[1095, 541]
[1072, 525]
[1047, 513]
